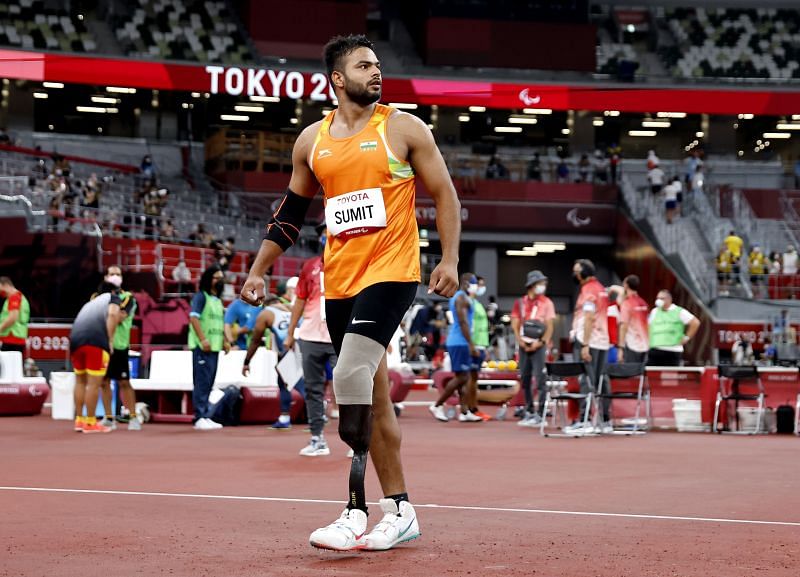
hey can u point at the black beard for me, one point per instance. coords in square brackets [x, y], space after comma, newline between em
[361, 95]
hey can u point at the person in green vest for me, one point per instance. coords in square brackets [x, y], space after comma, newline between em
[480, 338]
[14, 317]
[671, 327]
[118, 365]
[206, 340]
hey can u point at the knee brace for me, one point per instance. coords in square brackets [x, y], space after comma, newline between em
[355, 370]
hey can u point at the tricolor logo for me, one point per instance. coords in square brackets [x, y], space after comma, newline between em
[369, 145]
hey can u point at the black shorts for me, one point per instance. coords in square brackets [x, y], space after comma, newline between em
[374, 313]
[118, 368]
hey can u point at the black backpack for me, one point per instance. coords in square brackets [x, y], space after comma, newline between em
[784, 419]
[226, 411]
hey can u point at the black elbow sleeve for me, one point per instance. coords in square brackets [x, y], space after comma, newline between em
[284, 226]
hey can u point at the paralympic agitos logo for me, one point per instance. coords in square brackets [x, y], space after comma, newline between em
[275, 83]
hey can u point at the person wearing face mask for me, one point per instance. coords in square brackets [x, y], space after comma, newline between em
[532, 320]
[316, 347]
[462, 351]
[480, 337]
[633, 337]
[206, 340]
[118, 364]
[14, 317]
[671, 327]
[591, 342]
[789, 260]
[757, 264]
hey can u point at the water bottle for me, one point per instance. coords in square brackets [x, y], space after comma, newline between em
[451, 413]
[501, 412]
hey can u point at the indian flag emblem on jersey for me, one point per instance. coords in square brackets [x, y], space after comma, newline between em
[369, 145]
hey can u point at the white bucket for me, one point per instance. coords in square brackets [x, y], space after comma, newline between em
[63, 402]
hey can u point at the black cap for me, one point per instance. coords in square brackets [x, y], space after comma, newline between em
[534, 277]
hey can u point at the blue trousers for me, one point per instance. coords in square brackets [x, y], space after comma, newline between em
[204, 370]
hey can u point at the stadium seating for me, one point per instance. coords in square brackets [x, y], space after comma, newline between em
[720, 42]
[33, 24]
[193, 30]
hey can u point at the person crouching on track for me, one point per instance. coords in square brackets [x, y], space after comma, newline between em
[461, 350]
[90, 342]
[206, 340]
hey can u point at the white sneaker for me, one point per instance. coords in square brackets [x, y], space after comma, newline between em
[533, 420]
[606, 428]
[438, 413]
[206, 425]
[579, 429]
[469, 417]
[344, 534]
[397, 526]
[317, 447]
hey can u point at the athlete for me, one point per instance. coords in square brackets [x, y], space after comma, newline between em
[365, 156]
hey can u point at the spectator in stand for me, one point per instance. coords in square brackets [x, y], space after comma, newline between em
[757, 262]
[690, 166]
[600, 164]
[633, 336]
[168, 230]
[183, 276]
[206, 340]
[775, 264]
[496, 170]
[655, 176]
[734, 243]
[535, 168]
[698, 182]
[584, 168]
[39, 170]
[670, 199]
[562, 171]
[466, 172]
[724, 270]
[781, 327]
[148, 168]
[615, 152]
[652, 160]
[789, 261]
[61, 166]
[14, 317]
[671, 327]
[224, 253]
[742, 352]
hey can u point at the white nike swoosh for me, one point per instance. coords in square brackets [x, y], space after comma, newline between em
[359, 322]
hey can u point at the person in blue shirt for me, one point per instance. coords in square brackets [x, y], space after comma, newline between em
[461, 350]
[244, 316]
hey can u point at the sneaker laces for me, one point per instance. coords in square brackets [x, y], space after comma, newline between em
[387, 522]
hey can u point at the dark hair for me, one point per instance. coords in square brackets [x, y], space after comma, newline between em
[587, 267]
[5, 280]
[340, 46]
[632, 281]
[207, 278]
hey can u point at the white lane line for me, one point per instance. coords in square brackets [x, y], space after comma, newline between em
[416, 505]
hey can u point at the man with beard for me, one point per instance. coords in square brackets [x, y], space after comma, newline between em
[365, 157]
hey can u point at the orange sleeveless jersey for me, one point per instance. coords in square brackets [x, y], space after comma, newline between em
[362, 168]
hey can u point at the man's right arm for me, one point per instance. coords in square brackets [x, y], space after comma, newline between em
[303, 184]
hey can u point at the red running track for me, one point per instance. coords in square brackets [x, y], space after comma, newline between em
[540, 506]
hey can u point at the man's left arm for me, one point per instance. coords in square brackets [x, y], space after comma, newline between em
[428, 164]
[13, 314]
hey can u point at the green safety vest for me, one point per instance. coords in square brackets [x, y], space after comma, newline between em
[20, 328]
[666, 328]
[480, 325]
[212, 322]
[122, 336]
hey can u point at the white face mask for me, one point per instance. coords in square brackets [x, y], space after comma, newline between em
[472, 288]
[115, 279]
[481, 291]
[539, 289]
[659, 303]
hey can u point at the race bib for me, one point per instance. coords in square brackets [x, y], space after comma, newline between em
[355, 213]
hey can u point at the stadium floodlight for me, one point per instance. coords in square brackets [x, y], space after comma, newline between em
[795, 116]
[520, 253]
[463, 117]
[656, 123]
[508, 129]
[403, 105]
[746, 116]
[97, 109]
[257, 98]
[293, 120]
[112, 110]
[104, 100]
[642, 133]
[788, 126]
[699, 134]
[53, 84]
[120, 90]
[671, 115]
[565, 131]
[537, 111]
[41, 95]
[777, 135]
[522, 120]
[196, 95]
[611, 113]
[236, 117]
[598, 122]
[248, 108]
[477, 109]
